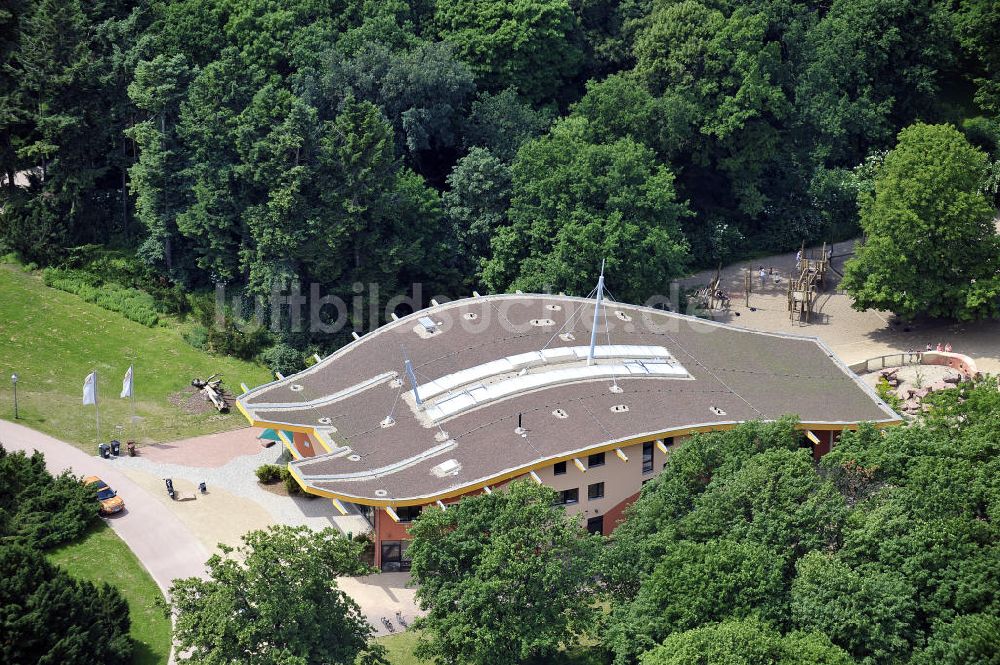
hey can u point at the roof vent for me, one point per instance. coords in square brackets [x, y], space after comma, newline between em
[428, 324]
[388, 422]
[295, 387]
[716, 410]
[542, 322]
[354, 458]
[560, 413]
[553, 308]
[396, 383]
[622, 315]
[381, 493]
[616, 389]
[619, 408]
[470, 316]
[567, 337]
[324, 420]
[449, 467]
[441, 435]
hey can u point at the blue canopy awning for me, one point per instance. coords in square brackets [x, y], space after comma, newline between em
[272, 435]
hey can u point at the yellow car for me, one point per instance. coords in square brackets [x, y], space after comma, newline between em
[110, 501]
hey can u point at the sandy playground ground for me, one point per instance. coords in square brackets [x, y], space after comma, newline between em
[853, 335]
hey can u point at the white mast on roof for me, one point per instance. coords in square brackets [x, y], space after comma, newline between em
[597, 310]
[412, 377]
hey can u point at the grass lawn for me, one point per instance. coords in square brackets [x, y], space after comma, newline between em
[399, 651]
[101, 556]
[399, 648]
[53, 339]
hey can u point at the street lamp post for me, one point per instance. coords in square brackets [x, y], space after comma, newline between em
[13, 380]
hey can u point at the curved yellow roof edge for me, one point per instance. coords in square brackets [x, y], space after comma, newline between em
[524, 470]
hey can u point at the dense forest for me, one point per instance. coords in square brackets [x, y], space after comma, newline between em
[463, 144]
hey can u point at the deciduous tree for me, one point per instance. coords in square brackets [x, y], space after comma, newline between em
[575, 203]
[274, 600]
[505, 578]
[931, 247]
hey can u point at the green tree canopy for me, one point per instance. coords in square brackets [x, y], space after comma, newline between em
[505, 578]
[531, 45]
[476, 202]
[745, 642]
[931, 246]
[274, 600]
[574, 203]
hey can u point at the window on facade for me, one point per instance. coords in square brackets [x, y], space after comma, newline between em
[394, 556]
[597, 459]
[408, 513]
[595, 491]
[559, 468]
[647, 457]
[368, 512]
[568, 496]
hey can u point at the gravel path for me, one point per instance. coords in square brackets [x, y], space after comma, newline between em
[237, 478]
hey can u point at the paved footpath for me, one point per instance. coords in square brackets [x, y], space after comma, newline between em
[155, 535]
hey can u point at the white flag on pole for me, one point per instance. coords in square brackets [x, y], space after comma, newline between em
[127, 384]
[90, 389]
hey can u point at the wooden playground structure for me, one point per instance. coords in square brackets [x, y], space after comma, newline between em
[804, 283]
[812, 267]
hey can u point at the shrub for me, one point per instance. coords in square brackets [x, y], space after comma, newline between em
[290, 483]
[49, 617]
[133, 304]
[37, 509]
[270, 473]
[197, 337]
[283, 358]
[887, 394]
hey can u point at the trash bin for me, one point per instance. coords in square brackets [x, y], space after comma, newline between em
[170, 488]
[202, 487]
[104, 450]
[116, 447]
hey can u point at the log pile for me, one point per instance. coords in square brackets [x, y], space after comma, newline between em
[211, 388]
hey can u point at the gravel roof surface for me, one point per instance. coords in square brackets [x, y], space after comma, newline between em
[732, 375]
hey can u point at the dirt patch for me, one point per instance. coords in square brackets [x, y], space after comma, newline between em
[274, 488]
[190, 400]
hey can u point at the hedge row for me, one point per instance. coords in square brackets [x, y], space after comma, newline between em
[133, 304]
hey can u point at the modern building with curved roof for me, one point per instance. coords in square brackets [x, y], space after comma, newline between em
[466, 395]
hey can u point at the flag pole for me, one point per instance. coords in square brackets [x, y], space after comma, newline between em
[132, 397]
[97, 409]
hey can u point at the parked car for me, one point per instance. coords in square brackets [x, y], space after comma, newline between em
[110, 501]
